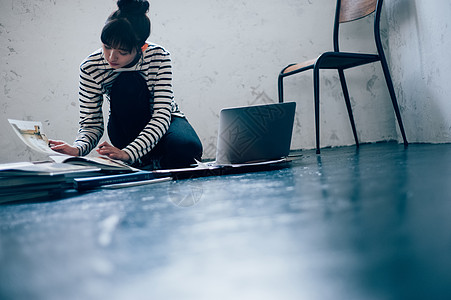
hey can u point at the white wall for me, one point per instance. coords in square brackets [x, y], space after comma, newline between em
[42, 45]
[419, 45]
[229, 53]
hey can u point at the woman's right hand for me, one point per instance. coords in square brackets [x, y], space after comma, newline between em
[63, 147]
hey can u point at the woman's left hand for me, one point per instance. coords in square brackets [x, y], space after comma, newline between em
[112, 152]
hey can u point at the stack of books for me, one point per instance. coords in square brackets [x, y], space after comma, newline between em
[46, 179]
[39, 180]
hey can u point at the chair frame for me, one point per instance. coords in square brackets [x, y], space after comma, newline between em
[342, 61]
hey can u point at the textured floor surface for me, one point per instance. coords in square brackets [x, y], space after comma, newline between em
[368, 223]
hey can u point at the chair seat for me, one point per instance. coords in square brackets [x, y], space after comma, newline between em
[308, 64]
[333, 60]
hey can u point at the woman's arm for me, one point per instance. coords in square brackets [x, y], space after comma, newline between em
[63, 147]
[91, 125]
[159, 79]
[112, 152]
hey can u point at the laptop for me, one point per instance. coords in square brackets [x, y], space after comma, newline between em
[255, 133]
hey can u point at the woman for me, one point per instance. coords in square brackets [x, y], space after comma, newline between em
[145, 126]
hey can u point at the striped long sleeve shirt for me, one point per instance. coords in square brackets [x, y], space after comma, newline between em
[96, 79]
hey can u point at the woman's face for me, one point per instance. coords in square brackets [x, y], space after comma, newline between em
[118, 58]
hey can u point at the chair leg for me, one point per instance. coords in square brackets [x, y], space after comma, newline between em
[316, 95]
[344, 87]
[280, 88]
[393, 98]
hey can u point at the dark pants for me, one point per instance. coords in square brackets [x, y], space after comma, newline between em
[131, 110]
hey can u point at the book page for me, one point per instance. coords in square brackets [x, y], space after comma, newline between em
[103, 162]
[43, 168]
[30, 132]
[9, 166]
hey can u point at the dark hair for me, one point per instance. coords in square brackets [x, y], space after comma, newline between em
[128, 27]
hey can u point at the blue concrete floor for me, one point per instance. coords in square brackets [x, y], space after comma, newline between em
[372, 223]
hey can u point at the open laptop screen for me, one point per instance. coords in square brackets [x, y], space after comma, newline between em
[255, 133]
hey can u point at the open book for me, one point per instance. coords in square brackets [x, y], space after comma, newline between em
[31, 133]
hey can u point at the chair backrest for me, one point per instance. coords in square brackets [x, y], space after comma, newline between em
[351, 10]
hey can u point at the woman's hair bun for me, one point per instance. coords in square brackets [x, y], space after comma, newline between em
[133, 7]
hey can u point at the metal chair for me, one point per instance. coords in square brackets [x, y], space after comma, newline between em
[346, 11]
